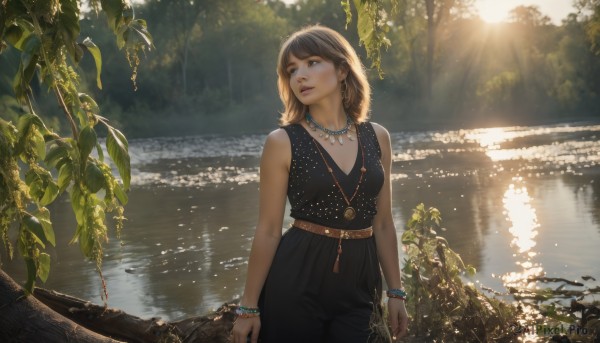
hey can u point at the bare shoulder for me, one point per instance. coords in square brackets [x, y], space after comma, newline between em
[382, 134]
[278, 139]
[277, 148]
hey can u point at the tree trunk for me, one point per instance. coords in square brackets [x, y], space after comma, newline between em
[230, 79]
[213, 328]
[54, 317]
[106, 321]
[25, 319]
[431, 32]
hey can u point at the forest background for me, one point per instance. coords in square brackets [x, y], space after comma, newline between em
[213, 69]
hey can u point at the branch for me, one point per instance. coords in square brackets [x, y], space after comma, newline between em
[38, 31]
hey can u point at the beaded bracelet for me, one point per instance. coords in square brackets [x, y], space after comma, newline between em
[396, 293]
[247, 312]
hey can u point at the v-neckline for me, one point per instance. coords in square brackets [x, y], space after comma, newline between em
[331, 157]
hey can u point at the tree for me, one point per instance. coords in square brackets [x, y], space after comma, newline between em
[45, 35]
[590, 10]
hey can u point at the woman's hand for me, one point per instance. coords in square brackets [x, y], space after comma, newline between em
[242, 327]
[398, 317]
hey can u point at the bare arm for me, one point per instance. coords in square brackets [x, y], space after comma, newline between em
[385, 237]
[274, 169]
[383, 223]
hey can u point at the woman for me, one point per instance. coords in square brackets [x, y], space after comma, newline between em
[321, 280]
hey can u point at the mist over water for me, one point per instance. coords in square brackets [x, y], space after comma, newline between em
[515, 202]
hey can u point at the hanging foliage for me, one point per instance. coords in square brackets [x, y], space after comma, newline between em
[36, 164]
[371, 26]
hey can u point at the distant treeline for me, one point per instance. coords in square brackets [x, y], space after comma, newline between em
[213, 68]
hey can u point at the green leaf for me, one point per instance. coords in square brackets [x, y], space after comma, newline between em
[31, 275]
[43, 216]
[117, 147]
[97, 55]
[33, 225]
[140, 28]
[87, 142]
[14, 35]
[114, 10]
[94, 179]
[78, 204]
[471, 271]
[89, 105]
[35, 183]
[120, 193]
[68, 27]
[25, 122]
[408, 237]
[55, 154]
[40, 145]
[100, 152]
[348, 11]
[50, 193]
[31, 48]
[65, 175]
[44, 267]
[18, 33]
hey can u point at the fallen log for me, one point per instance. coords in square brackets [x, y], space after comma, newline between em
[25, 319]
[115, 323]
[105, 321]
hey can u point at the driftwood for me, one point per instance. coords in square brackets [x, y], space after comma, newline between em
[50, 316]
[117, 324]
[25, 319]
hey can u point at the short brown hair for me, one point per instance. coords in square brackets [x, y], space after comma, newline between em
[328, 44]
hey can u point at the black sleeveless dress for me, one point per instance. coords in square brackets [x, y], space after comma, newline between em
[302, 299]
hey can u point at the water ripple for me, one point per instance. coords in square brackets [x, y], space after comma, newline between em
[190, 161]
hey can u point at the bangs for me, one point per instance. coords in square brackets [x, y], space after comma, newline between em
[303, 46]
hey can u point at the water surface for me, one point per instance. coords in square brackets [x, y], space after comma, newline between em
[515, 201]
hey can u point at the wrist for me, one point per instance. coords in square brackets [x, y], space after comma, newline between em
[247, 312]
[396, 293]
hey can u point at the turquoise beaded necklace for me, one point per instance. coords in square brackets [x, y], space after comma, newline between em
[332, 135]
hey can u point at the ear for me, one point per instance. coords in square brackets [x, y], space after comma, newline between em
[342, 71]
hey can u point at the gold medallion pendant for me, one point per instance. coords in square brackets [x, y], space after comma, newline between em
[349, 213]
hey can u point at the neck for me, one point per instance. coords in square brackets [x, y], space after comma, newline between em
[331, 117]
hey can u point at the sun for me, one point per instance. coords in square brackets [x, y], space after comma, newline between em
[492, 11]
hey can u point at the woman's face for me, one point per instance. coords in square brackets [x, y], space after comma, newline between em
[314, 79]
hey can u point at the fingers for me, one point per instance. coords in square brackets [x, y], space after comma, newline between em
[394, 324]
[239, 334]
[402, 325]
[254, 337]
[243, 328]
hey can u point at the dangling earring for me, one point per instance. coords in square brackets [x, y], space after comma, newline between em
[344, 91]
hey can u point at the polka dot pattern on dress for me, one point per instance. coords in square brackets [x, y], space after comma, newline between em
[312, 192]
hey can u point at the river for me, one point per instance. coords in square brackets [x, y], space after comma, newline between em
[515, 202]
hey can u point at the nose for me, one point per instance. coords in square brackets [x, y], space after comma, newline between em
[301, 74]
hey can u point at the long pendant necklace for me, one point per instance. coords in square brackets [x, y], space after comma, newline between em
[349, 212]
[331, 135]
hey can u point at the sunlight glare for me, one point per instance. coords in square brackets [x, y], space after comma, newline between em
[493, 11]
[522, 216]
[492, 137]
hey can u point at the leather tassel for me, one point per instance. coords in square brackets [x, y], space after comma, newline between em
[336, 265]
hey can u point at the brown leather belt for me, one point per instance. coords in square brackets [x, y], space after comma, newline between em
[333, 233]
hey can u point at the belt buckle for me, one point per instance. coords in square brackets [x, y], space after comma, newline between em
[345, 234]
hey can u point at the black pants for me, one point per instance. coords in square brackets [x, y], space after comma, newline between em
[303, 301]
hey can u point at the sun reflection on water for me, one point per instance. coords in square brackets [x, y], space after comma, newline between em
[524, 224]
[521, 214]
